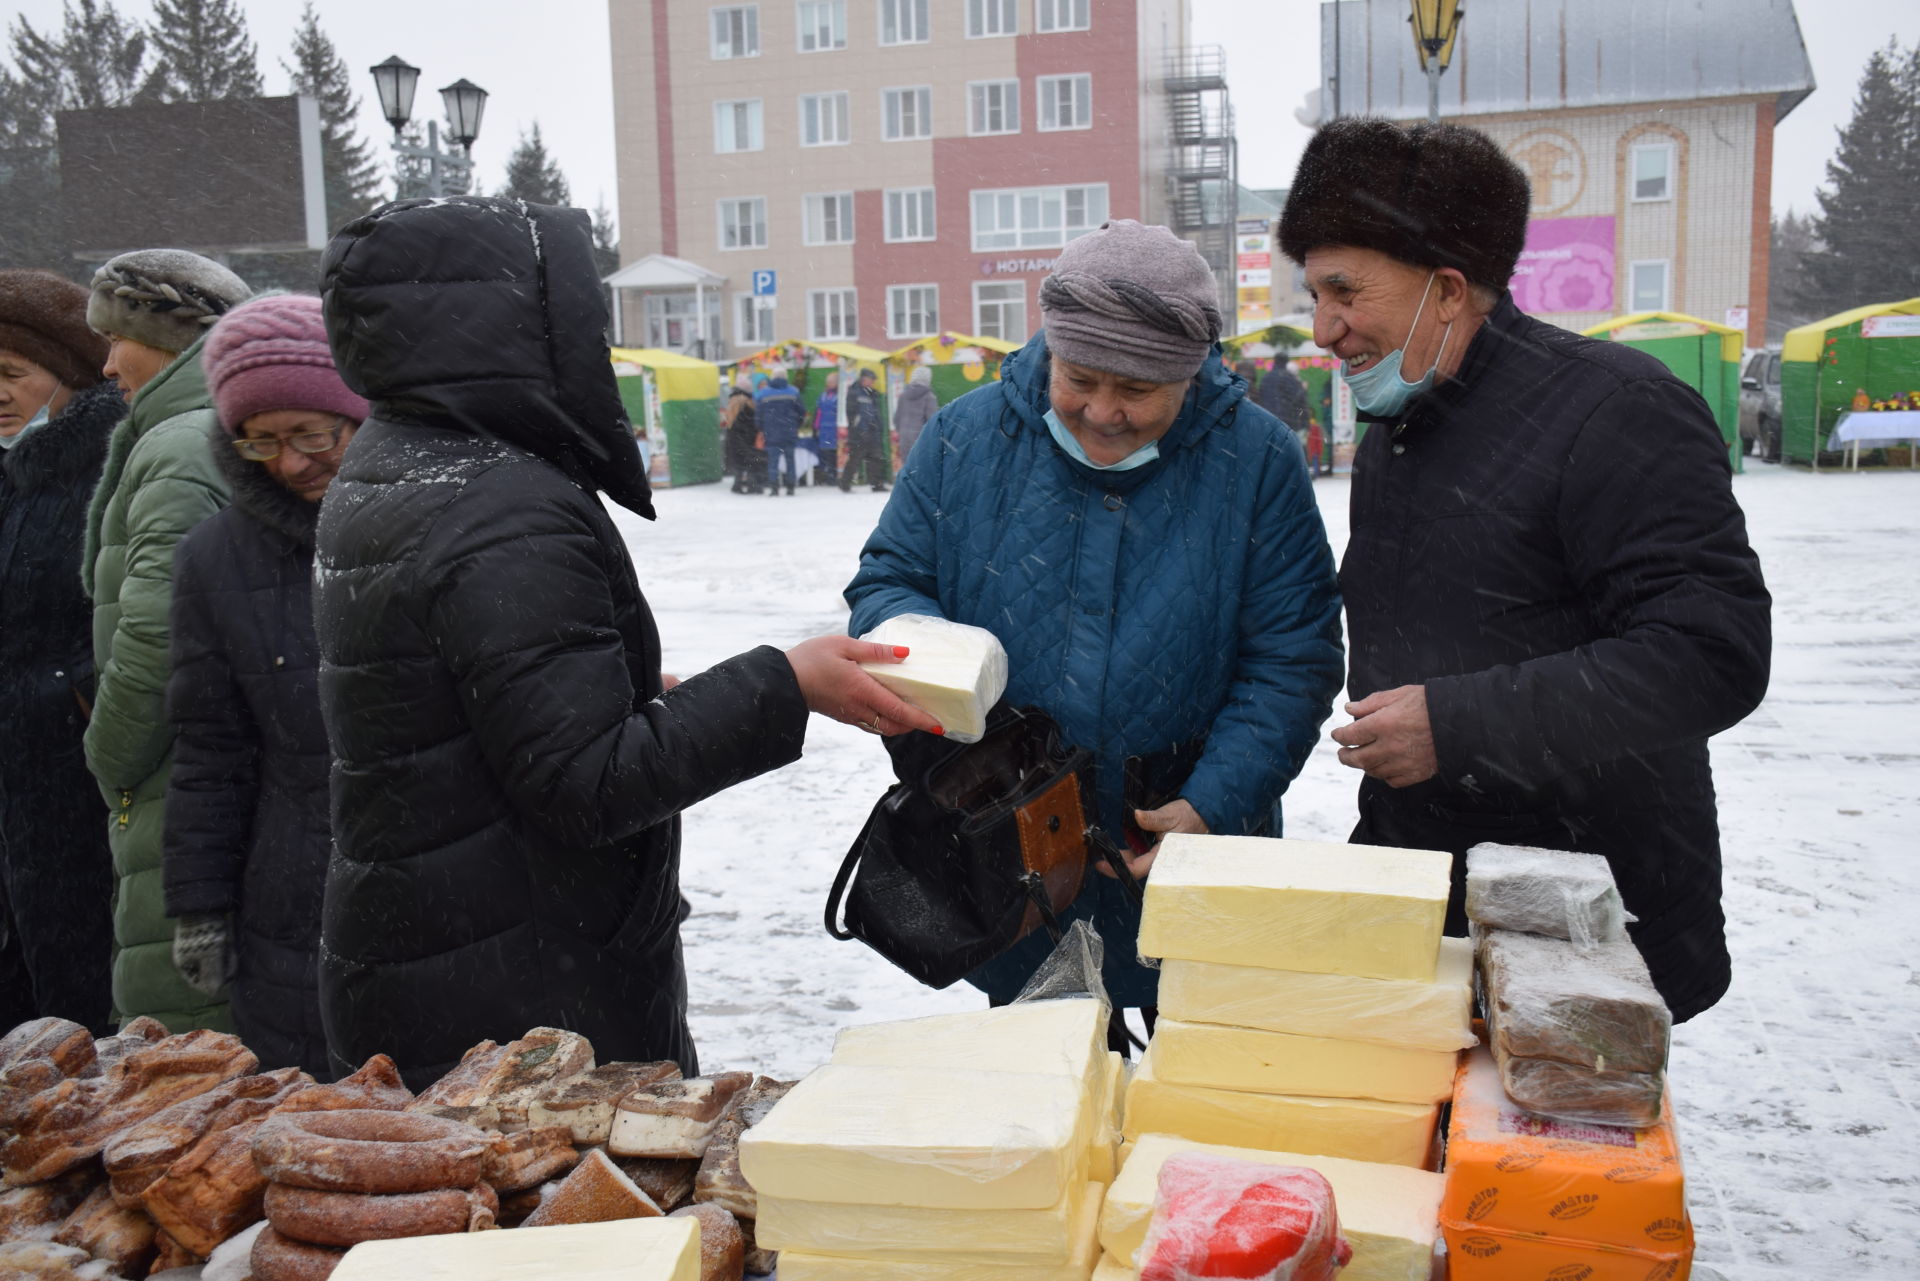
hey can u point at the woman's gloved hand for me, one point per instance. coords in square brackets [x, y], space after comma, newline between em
[203, 952]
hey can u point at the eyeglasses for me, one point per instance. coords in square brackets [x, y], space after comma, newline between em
[307, 442]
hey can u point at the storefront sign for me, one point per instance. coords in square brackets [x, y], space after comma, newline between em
[1890, 327]
[1014, 266]
[1567, 265]
[1651, 329]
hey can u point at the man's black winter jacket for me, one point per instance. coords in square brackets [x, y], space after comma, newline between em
[1549, 542]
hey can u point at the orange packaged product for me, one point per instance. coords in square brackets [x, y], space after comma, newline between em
[1475, 1255]
[1509, 1171]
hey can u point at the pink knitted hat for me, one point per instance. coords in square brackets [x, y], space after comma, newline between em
[271, 353]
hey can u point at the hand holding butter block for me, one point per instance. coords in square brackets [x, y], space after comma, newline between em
[952, 672]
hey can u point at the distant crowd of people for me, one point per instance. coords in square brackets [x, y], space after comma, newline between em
[766, 428]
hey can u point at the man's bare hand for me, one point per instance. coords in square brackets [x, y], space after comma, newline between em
[1175, 816]
[828, 669]
[1390, 738]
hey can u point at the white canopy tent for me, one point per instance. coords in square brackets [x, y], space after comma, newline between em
[665, 283]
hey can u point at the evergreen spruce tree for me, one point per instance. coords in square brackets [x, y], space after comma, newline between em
[1866, 219]
[347, 161]
[533, 175]
[606, 240]
[204, 51]
[1792, 297]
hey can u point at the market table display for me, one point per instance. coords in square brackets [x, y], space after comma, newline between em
[1876, 427]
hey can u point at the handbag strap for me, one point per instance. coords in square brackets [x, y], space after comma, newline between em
[1103, 846]
[844, 876]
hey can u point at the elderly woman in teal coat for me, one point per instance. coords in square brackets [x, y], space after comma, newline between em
[1144, 541]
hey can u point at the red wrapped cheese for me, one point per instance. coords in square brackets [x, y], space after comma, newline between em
[1215, 1218]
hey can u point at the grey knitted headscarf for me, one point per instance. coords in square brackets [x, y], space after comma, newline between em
[1132, 300]
[165, 298]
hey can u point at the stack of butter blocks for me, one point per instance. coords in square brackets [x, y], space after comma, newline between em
[1577, 1027]
[1308, 1002]
[963, 1147]
[628, 1250]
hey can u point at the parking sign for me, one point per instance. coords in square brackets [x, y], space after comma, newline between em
[763, 284]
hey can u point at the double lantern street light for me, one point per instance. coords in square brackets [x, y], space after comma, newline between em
[465, 102]
[1436, 25]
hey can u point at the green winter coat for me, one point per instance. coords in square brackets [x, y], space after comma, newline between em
[159, 482]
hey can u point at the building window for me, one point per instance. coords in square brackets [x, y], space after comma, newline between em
[913, 311]
[831, 314]
[993, 106]
[1000, 310]
[910, 214]
[992, 17]
[1649, 286]
[829, 218]
[736, 31]
[743, 223]
[736, 126]
[752, 322]
[1036, 217]
[823, 120]
[1653, 171]
[823, 25]
[906, 113]
[1066, 102]
[1061, 15]
[904, 22]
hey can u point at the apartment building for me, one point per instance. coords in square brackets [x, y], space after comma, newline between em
[899, 167]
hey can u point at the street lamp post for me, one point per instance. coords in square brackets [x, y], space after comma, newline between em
[1436, 25]
[465, 102]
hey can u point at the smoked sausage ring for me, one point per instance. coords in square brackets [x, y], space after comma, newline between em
[279, 1258]
[367, 1150]
[348, 1218]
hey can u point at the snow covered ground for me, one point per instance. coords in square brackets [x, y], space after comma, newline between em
[1797, 1095]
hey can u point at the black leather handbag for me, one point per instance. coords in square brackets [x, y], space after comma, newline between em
[976, 847]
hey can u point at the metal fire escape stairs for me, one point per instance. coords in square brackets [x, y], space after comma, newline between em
[1203, 170]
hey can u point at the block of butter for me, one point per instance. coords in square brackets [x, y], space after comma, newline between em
[1055, 1235]
[1111, 1269]
[957, 1266]
[1402, 1012]
[953, 672]
[1388, 1212]
[1357, 1129]
[626, 1250]
[1239, 1058]
[1362, 910]
[1106, 1135]
[938, 1137]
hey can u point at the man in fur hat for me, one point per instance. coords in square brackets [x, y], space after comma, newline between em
[1551, 599]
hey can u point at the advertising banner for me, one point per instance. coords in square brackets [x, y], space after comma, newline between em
[1254, 271]
[1566, 266]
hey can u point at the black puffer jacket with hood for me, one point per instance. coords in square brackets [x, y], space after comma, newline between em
[507, 771]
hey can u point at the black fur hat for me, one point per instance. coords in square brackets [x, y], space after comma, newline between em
[1434, 195]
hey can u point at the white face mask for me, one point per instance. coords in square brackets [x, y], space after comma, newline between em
[1076, 451]
[38, 420]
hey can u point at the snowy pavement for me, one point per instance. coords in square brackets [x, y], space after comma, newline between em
[1797, 1095]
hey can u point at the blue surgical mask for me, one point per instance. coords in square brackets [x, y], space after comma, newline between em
[1380, 390]
[1067, 441]
[38, 420]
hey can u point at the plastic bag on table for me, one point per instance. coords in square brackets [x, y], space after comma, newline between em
[1552, 892]
[953, 672]
[1218, 1217]
[1072, 969]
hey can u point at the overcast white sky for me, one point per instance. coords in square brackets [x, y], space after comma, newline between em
[548, 62]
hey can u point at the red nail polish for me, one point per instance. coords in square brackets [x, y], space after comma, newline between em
[899, 651]
[941, 730]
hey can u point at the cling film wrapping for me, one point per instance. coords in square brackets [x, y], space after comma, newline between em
[1321, 908]
[1238, 1058]
[954, 672]
[1407, 1013]
[1217, 1217]
[1510, 1171]
[1031, 1238]
[1551, 892]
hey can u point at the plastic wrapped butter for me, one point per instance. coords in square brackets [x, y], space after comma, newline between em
[1055, 1235]
[1357, 1129]
[1362, 910]
[1402, 1012]
[953, 672]
[937, 1137]
[1111, 1269]
[958, 1266]
[1388, 1212]
[1239, 1058]
[627, 1250]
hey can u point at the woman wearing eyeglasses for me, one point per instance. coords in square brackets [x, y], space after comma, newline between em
[247, 831]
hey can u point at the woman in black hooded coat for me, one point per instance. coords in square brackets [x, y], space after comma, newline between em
[509, 764]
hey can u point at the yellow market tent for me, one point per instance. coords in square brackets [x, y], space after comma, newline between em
[675, 399]
[1282, 337]
[1870, 354]
[807, 364]
[960, 362]
[1704, 355]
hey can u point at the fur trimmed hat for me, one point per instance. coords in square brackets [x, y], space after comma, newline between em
[271, 353]
[1433, 195]
[165, 298]
[43, 317]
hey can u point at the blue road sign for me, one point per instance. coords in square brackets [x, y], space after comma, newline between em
[763, 284]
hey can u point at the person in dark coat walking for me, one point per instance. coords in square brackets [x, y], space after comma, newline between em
[866, 438]
[509, 764]
[743, 429]
[778, 406]
[56, 878]
[1551, 597]
[247, 831]
[1282, 394]
[917, 407]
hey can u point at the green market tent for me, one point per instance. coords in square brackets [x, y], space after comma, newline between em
[807, 365]
[1871, 352]
[960, 362]
[1704, 355]
[1312, 366]
[1281, 337]
[675, 399]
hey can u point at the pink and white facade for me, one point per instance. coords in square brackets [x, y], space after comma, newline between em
[903, 167]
